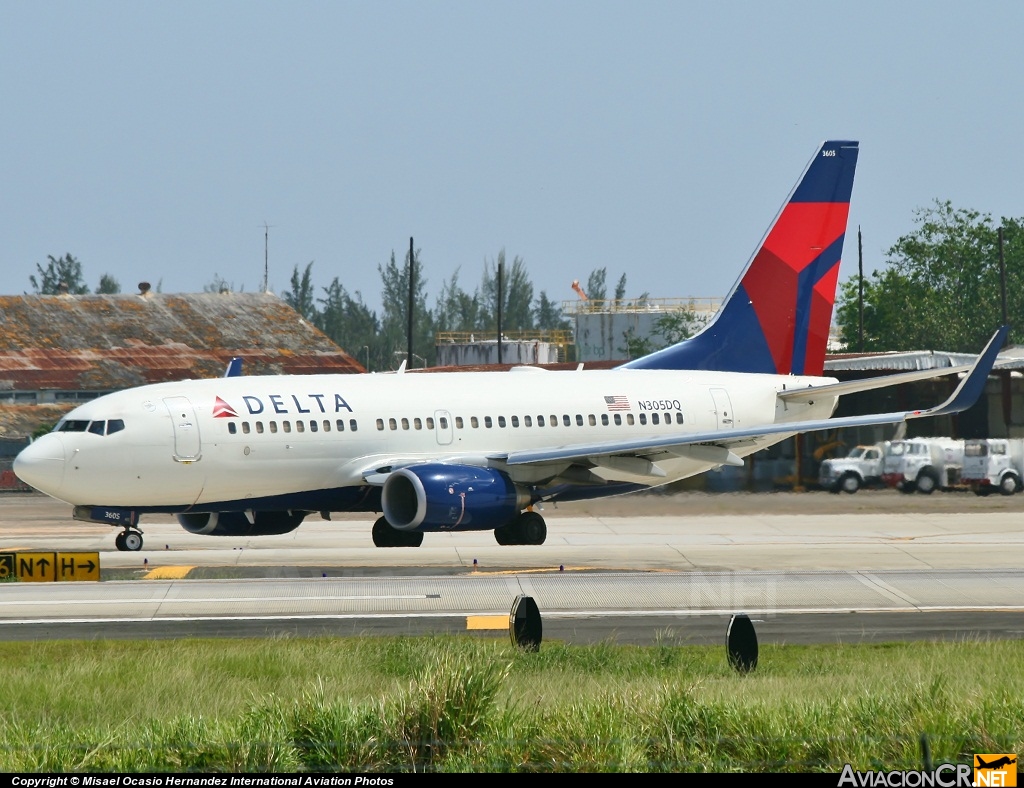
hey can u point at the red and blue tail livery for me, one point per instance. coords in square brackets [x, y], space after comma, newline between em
[776, 319]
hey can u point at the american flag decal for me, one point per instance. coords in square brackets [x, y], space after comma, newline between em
[617, 403]
[221, 410]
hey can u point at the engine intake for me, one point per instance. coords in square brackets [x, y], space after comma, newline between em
[439, 497]
[237, 524]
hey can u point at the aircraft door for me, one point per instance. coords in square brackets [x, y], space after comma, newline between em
[186, 429]
[723, 409]
[443, 427]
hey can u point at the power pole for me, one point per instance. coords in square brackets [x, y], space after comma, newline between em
[412, 291]
[266, 257]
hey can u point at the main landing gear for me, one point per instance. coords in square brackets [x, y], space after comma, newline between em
[526, 528]
[130, 539]
[386, 536]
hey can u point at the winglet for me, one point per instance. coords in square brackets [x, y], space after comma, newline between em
[973, 384]
[234, 368]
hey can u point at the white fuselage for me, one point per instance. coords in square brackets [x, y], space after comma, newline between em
[200, 442]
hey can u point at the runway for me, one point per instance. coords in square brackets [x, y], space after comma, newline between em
[802, 568]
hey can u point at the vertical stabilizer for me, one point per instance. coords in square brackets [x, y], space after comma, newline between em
[776, 319]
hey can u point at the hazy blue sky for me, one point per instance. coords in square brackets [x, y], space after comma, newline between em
[152, 140]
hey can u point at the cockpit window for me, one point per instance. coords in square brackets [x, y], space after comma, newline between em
[115, 425]
[97, 427]
[73, 425]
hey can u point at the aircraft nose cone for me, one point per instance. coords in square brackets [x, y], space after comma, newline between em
[41, 464]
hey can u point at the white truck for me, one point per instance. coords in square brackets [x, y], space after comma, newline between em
[994, 464]
[861, 467]
[923, 464]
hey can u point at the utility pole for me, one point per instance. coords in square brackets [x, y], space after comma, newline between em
[501, 271]
[412, 291]
[266, 257]
[860, 292]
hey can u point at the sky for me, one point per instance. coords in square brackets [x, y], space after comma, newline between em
[153, 141]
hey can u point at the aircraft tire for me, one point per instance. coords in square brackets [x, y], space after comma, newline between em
[1009, 484]
[132, 541]
[119, 541]
[384, 535]
[505, 535]
[532, 528]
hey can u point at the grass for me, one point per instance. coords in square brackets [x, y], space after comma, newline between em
[471, 704]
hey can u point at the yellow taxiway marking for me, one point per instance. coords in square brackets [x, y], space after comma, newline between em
[168, 573]
[532, 571]
[487, 622]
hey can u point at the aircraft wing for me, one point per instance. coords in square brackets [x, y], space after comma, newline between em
[965, 395]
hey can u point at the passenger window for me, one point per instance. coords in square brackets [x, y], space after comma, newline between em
[604, 419]
[393, 424]
[340, 425]
[417, 423]
[259, 427]
[654, 418]
[501, 421]
[527, 421]
[629, 419]
[312, 426]
[458, 422]
[380, 424]
[643, 418]
[540, 421]
[679, 418]
[97, 427]
[668, 419]
[444, 423]
[300, 426]
[352, 425]
[232, 427]
[405, 424]
[115, 425]
[474, 422]
[515, 421]
[245, 427]
[430, 423]
[618, 419]
[579, 420]
[487, 422]
[327, 425]
[593, 420]
[286, 426]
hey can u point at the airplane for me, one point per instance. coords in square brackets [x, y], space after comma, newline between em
[468, 451]
[997, 764]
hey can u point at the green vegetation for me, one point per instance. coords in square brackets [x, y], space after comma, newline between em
[471, 704]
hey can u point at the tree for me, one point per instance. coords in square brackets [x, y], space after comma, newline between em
[301, 297]
[351, 325]
[596, 289]
[108, 285]
[395, 310]
[457, 310]
[548, 316]
[64, 270]
[620, 289]
[940, 289]
[516, 295]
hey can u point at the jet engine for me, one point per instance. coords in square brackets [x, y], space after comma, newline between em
[237, 523]
[439, 497]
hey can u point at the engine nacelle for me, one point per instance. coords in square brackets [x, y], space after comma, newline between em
[237, 524]
[439, 497]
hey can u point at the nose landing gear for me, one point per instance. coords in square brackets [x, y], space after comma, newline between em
[129, 540]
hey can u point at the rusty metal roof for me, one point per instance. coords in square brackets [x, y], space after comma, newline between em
[104, 342]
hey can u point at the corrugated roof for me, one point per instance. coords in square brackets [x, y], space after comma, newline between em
[114, 341]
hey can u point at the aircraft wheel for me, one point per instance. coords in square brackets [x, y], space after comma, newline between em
[119, 541]
[532, 528]
[1009, 484]
[850, 483]
[505, 535]
[132, 541]
[386, 536]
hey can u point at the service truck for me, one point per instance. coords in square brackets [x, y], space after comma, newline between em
[923, 464]
[994, 464]
[861, 467]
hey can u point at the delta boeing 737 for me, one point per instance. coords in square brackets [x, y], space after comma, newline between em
[478, 450]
